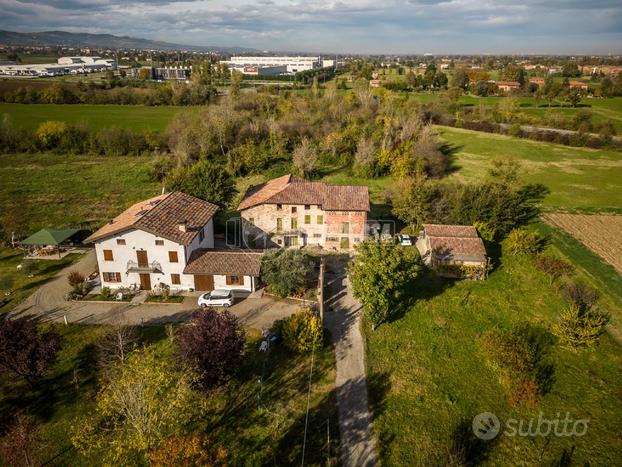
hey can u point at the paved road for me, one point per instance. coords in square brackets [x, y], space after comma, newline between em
[47, 303]
[358, 444]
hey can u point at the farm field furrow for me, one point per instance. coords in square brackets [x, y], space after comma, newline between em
[598, 232]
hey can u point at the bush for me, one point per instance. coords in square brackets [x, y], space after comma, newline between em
[302, 331]
[523, 242]
[578, 328]
[286, 271]
[105, 293]
[49, 134]
[552, 266]
[512, 355]
[75, 279]
[580, 294]
[212, 345]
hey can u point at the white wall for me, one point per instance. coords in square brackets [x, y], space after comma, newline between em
[220, 282]
[139, 240]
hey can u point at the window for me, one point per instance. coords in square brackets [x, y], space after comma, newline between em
[175, 279]
[345, 227]
[307, 219]
[279, 207]
[294, 209]
[279, 224]
[344, 244]
[307, 207]
[251, 220]
[279, 241]
[120, 241]
[108, 255]
[172, 257]
[317, 235]
[294, 223]
[235, 280]
[112, 276]
[201, 235]
[159, 242]
[320, 220]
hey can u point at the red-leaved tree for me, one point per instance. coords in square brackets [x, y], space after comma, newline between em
[212, 344]
[25, 351]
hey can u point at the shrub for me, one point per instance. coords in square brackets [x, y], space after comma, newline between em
[511, 353]
[105, 293]
[523, 242]
[49, 134]
[302, 331]
[552, 266]
[286, 271]
[578, 328]
[212, 345]
[75, 279]
[580, 294]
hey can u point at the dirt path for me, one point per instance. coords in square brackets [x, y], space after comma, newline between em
[358, 444]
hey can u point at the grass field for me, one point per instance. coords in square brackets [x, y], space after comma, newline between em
[255, 428]
[435, 379]
[49, 190]
[20, 284]
[579, 178]
[97, 116]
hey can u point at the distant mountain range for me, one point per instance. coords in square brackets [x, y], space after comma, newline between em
[72, 39]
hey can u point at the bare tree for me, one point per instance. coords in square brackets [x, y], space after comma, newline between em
[364, 158]
[116, 345]
[305, 158]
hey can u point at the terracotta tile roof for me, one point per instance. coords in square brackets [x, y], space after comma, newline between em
[508, 83]
[293, 190]
[224, 262]
[458, 248]
[161, 216]
[442, 230]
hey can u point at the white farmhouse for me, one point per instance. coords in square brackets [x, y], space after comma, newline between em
[166, 240]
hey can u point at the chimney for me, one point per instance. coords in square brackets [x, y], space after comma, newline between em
[182, 226]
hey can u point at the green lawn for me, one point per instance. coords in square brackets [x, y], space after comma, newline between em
[49, 190]
[97, 116]
[21, 285]
[579, 178]
[257, 424]
[429, 379]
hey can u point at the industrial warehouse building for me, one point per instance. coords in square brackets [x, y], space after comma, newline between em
[64, 66]
[275, 65]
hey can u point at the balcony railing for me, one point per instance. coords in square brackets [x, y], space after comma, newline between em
[134, 266]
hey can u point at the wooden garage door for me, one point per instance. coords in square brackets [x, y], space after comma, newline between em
[203, 282]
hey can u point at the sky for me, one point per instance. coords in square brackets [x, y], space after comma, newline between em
[341, 26]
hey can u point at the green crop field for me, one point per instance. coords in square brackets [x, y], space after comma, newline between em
[49, 190]
[579, 178]
[428, 377]
[97, 116]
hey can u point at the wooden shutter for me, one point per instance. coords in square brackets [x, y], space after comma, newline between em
[108, 255]
[172, 257]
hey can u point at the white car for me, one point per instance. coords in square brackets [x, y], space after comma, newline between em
[405, 240]
[218, 297]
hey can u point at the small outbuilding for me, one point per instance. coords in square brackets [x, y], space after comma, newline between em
[453, 250]
[46, 242]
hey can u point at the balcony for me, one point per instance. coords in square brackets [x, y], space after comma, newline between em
[135, 266]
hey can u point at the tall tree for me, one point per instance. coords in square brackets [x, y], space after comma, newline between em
[305, 158]
[380, 274]
[205, 180]
[211, 345]
[25, 351]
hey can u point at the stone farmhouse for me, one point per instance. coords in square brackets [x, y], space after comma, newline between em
[453, 250]
[168, 240]
[291, 212]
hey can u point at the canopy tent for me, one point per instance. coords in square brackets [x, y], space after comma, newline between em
[54, 237]
[50, 237]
